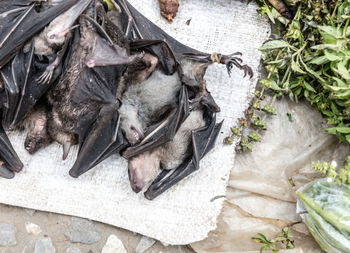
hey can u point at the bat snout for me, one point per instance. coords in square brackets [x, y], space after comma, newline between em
[136, 182]
[30, 146]
[134, 135]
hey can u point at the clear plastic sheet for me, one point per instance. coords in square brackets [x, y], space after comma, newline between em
[260, 195]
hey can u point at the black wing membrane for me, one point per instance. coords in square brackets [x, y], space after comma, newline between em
[164, 131]
[203, 140]
[144, 33]
[20, 21]
[102, 141]
[20, 77]
[8, 155]
[136, 26]
[97, 133]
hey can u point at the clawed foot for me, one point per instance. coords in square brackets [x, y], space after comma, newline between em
[230, 60]
[46, 77]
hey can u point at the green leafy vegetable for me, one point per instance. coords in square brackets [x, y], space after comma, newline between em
[311, 59]
[284, 238]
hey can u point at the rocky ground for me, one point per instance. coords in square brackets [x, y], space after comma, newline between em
[26, 231]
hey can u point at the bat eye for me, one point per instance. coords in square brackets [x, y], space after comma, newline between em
[52, 36]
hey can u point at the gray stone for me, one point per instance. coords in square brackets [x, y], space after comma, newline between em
[72, 250]
[44, 245]
[83, 231]
[32, 228]
[7, 234]
[113, 245]
[144, 244]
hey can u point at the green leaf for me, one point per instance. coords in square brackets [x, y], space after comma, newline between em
[347, 137]
[332, 31]
[296, 68]
[338, 45]
[315, 74]
[341, 95]
[342, 71]
[335, 88]
[332, 56]
[340, 82]
[343, 130]
[274, 44]
[319, 60]
[331, 130]
[309, 87]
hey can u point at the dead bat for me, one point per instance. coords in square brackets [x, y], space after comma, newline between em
[36, 66]
[54, 39]
[144, 168]
[202, 141]
[20, 20]
[147, 36]
[84, 103]
[158, 109]
[149, 95]
[187, 67]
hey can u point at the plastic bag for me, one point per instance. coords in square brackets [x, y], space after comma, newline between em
[328, 214]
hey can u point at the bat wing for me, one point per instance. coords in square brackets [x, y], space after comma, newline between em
[101, 141]
[136, 26]
[148, 36]
[20, 21]
[203, 140]
[99, 134]
[8, 155]
[21, 87]
[164, 131]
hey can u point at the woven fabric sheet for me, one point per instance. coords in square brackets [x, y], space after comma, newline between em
[187, 212]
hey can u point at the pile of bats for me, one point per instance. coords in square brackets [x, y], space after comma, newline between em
[73, 73]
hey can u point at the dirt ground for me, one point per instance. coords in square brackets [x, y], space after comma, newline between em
[55, 226]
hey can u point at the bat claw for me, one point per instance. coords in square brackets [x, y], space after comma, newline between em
[46, 77]
[66, 149]
[231, 60]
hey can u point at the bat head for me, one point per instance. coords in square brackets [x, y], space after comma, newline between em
[143, 169]
[37, 137]
[34, 142]
[130, 124]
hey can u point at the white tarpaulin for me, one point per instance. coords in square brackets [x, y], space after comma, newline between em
[187, 212]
